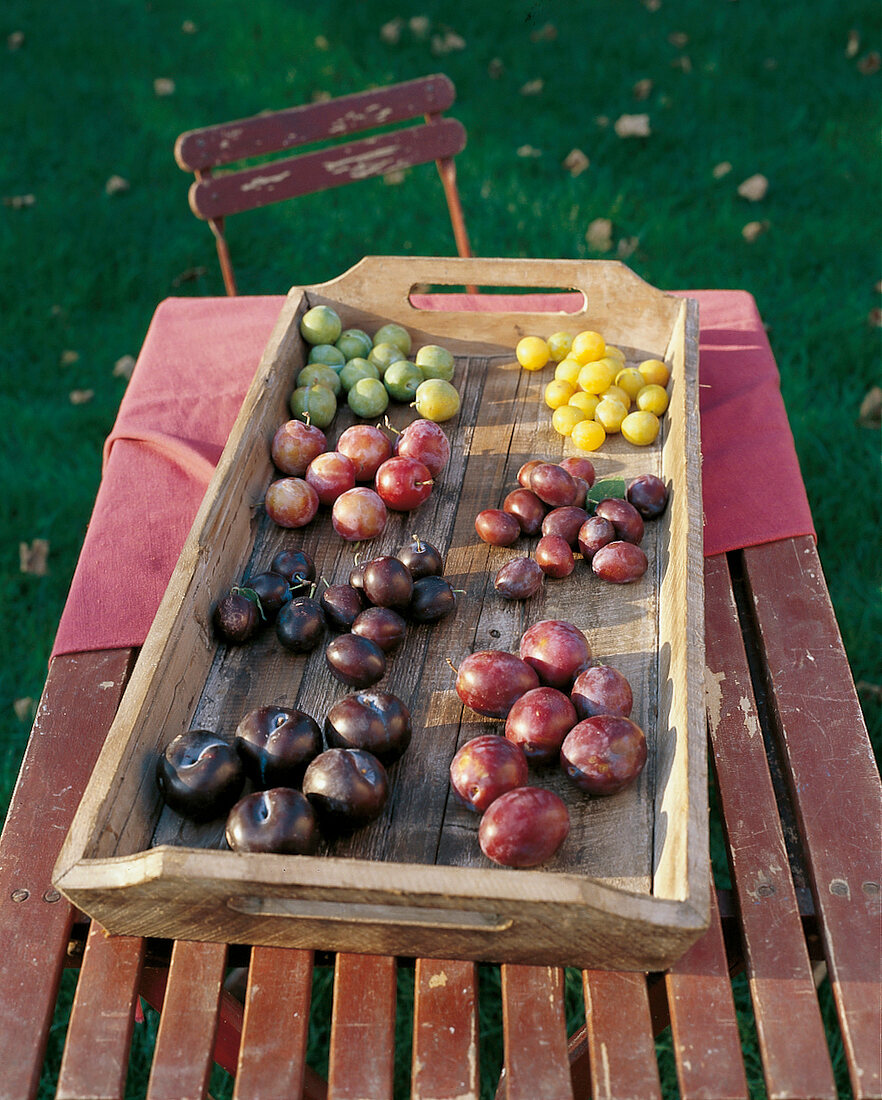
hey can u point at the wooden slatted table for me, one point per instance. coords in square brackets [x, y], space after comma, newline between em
[800, 805]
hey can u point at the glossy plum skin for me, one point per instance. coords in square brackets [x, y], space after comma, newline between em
[519, 579]
[355, 660]
[358, 514]
[367, 447]
[291, 502]
[276, 820]
[524, 827]
[581, 467]
[426, 441]
[403, 483]
[485, 768]
[527, 509]
[276, 744]
[604, 754]
[539, 721]
[331, 474]
[554, 556]
[387, 582]
[566, 522]
[490, 681]
[347, 788]
[375, 721]
[594, 533]
[602, 689]
[433, 599]
[497, 527]
[300, 625]
[273, 592]
[421, 558]
[296, 566]
[200, 775]
[553, 485]
[342, 604]
[649, 495]
[526, 471]
[624, 517]
[236, 617]
[619, 562]
[295, 445]
[381, 625]
[556, 650]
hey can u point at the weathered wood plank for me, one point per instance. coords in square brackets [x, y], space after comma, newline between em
[834, 781]
[445, 1031]
[183, 1055]
[212, 146]
[534, 1024]
[362, 1054]
[79, 699]
[99, 1035]
[617, 1005]
[788, 1020]
[707, 1043]
[234, 192]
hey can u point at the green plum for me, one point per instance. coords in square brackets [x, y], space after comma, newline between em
[319, 374]
[383, 355]
[394, 334]
[368, 398]
[356, 369]
[314, 404]
[328, 354]
[354, 343]
[321, 325]
[436, 400]
[435, 362]
[401, 380]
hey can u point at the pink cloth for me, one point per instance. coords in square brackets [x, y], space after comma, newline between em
[198, 359]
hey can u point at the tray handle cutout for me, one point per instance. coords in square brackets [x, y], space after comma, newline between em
[367, 913]
[444, 298]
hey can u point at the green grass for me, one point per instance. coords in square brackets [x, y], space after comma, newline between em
[768, 89]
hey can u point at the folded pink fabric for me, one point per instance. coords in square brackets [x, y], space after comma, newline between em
[198, 359]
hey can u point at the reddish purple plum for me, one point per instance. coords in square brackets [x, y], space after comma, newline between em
[556, 650]
[619, 563]
[602, 689]
[554, 556]
[524, 827]
[490, 681]
[519, 579]
[604, 754]
[539, 721]
[485, 768]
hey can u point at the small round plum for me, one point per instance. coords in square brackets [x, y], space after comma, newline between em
[539, 721]
[490, 681]
[291, 502]
[604, 754]
[358, 514]
[602, 689]
[524, 827]
[497, 527]
[485, 768]
[276, 820]
[199, 775]
[556, 650]
[519, 579]
[295, 445]
[619, 562]
[367, 447]
[347, 788]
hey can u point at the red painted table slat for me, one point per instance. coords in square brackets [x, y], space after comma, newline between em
[707, 1043]
[534, 1025]
[617, 1007]
[362, 1055]
[79, 699]
[445, 1030]
[183, 1056]
[102, 1018]
[789, 1025]
[834, 784]
[272, 1056]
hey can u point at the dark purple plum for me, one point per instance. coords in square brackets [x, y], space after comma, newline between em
[301, 623]
[387, 582]
[346, 787]
[200, 775]
[276, 744]
[433, 598]
[565, 522]
[527, 509]
[342, 604]
[594, 533]
[553, 484]
[554, 556]
[273, 592]
[355, 660]
[421, 558]
[624, 517]
[497, 527]
[296, 566]
[620, 562]
[375, 721]
[277, 820]
[519, 579]
[649, 495]
[382, 625]
[236, 617]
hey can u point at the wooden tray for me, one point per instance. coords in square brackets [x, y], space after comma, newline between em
[629, 888]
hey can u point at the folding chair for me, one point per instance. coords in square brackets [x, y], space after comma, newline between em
[213, 197]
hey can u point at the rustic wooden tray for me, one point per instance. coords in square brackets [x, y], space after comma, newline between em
[629, 887]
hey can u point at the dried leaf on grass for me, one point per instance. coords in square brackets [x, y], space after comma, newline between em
[576, 162]
[642, 89]
[124, 366]
[321, 43]
[722, 169]
[870, 63]
[80, 397]
[419, 26]
[33, 557]
[683, 63]
[853, 43]
[447, 43]
[752, 230]
[678, 39]
[496, 68]
[546, 33]
[870, 415]
[189, 27]
[754, 188]
[15, 40]
[529, 151]
[68, 357]
[632, 126]
[163, 86]
[189, 275]
[533, 87]
[598, 236]
[390, 32]
[392, 179]
[116, 185]
[19, 202]
[626, 247]
[25, 708]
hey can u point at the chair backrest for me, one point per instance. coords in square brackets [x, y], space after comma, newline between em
[213, 197]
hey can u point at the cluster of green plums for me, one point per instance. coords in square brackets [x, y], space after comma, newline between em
[369, 372]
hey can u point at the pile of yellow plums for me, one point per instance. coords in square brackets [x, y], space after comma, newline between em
[594, 393]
